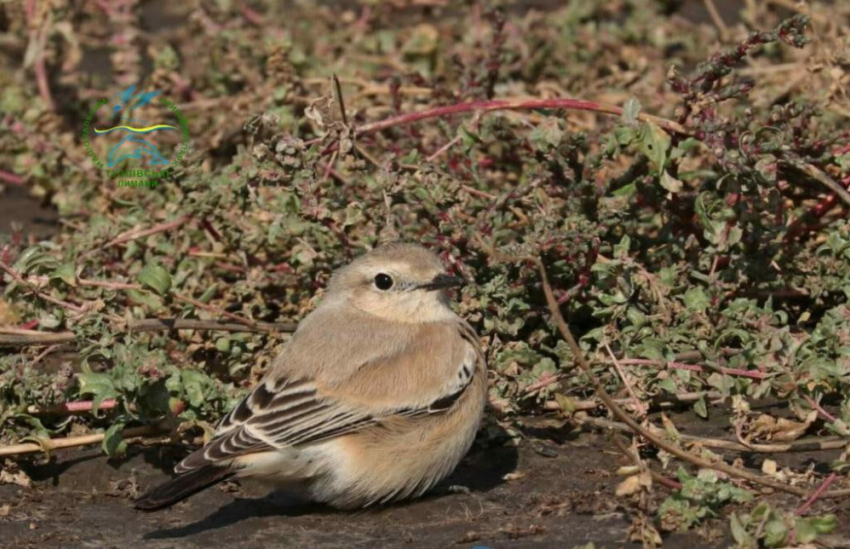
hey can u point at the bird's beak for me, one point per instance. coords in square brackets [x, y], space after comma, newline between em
[442, 281]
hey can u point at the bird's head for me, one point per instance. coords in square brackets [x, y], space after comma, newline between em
[398, 282]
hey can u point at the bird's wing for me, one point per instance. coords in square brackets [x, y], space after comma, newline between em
[282, 412]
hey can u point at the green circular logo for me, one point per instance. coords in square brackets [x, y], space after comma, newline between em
[142, 137]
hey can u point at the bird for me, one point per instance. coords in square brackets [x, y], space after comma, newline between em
[376, 397]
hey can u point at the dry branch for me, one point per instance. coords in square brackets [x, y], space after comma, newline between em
[20, 338]
[634, 425]
[692, 367]
[48, 445]
[820, 177]
[658, 477]
[805, 445]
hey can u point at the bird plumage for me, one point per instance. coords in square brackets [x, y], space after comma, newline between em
[376, 397]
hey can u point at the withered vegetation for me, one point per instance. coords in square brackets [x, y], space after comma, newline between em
[683, 185]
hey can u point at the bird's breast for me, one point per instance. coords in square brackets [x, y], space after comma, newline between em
[400, 457]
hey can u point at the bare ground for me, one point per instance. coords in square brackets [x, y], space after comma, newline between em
[562, 493]
[84, 500]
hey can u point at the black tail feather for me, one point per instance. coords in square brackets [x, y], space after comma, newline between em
[181, 487]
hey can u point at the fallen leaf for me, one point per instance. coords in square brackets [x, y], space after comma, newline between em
[633, 484]
[768, 428]
[20, 478]
[513, 476]
[769, 467]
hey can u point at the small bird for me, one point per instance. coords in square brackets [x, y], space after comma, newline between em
[376, 397]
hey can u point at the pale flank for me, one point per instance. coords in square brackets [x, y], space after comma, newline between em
[377, 396]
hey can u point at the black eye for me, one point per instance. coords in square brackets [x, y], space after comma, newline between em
[383, 281]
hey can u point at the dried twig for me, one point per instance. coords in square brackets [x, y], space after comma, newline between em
[48, 445]
[716, 18]
[444, 148]
[545, 382]
[215, 310]
[23, 338]
[658, 477]
[639, 406]
[157, 324]
[820, 177]
[692, 367]
[19, 279]
[38, 41]
[806, 445]
[658, 402]
[634, 425]
[17, 337]
[133, 234]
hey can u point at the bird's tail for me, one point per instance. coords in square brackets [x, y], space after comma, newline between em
[183, 486]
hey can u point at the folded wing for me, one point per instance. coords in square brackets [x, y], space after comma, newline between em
[283, 412]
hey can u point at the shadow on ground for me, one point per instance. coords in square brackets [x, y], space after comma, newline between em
[559, 494]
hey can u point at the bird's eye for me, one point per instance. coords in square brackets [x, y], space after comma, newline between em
[383, 281]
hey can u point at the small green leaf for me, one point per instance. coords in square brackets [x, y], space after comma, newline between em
[776, 532]
[670, 183]
[193, 384]
[696, 300]
[548, 134]
[700, 408]
[98, 386]
[144, 297]
[653, 143]
[208, 294]
[113, 443]
[631, 112]
[839, 427]
[622, 248]
[223, 344]
[156, 278]
[353, 215]
[625, 191]
[668, 385]
[808, 529]
[739, 532]
[65, 273]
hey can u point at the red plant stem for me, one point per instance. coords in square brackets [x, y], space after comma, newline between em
[10, 178]
[818, 493]
[816, 212]
[545, 382]
[31, 325]
[251, 15]
[513, 105]
[75, 407]
[821, 412]
[669, 482]
[211, 230]
[692, 367]
[43, 280]
[20, 280]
